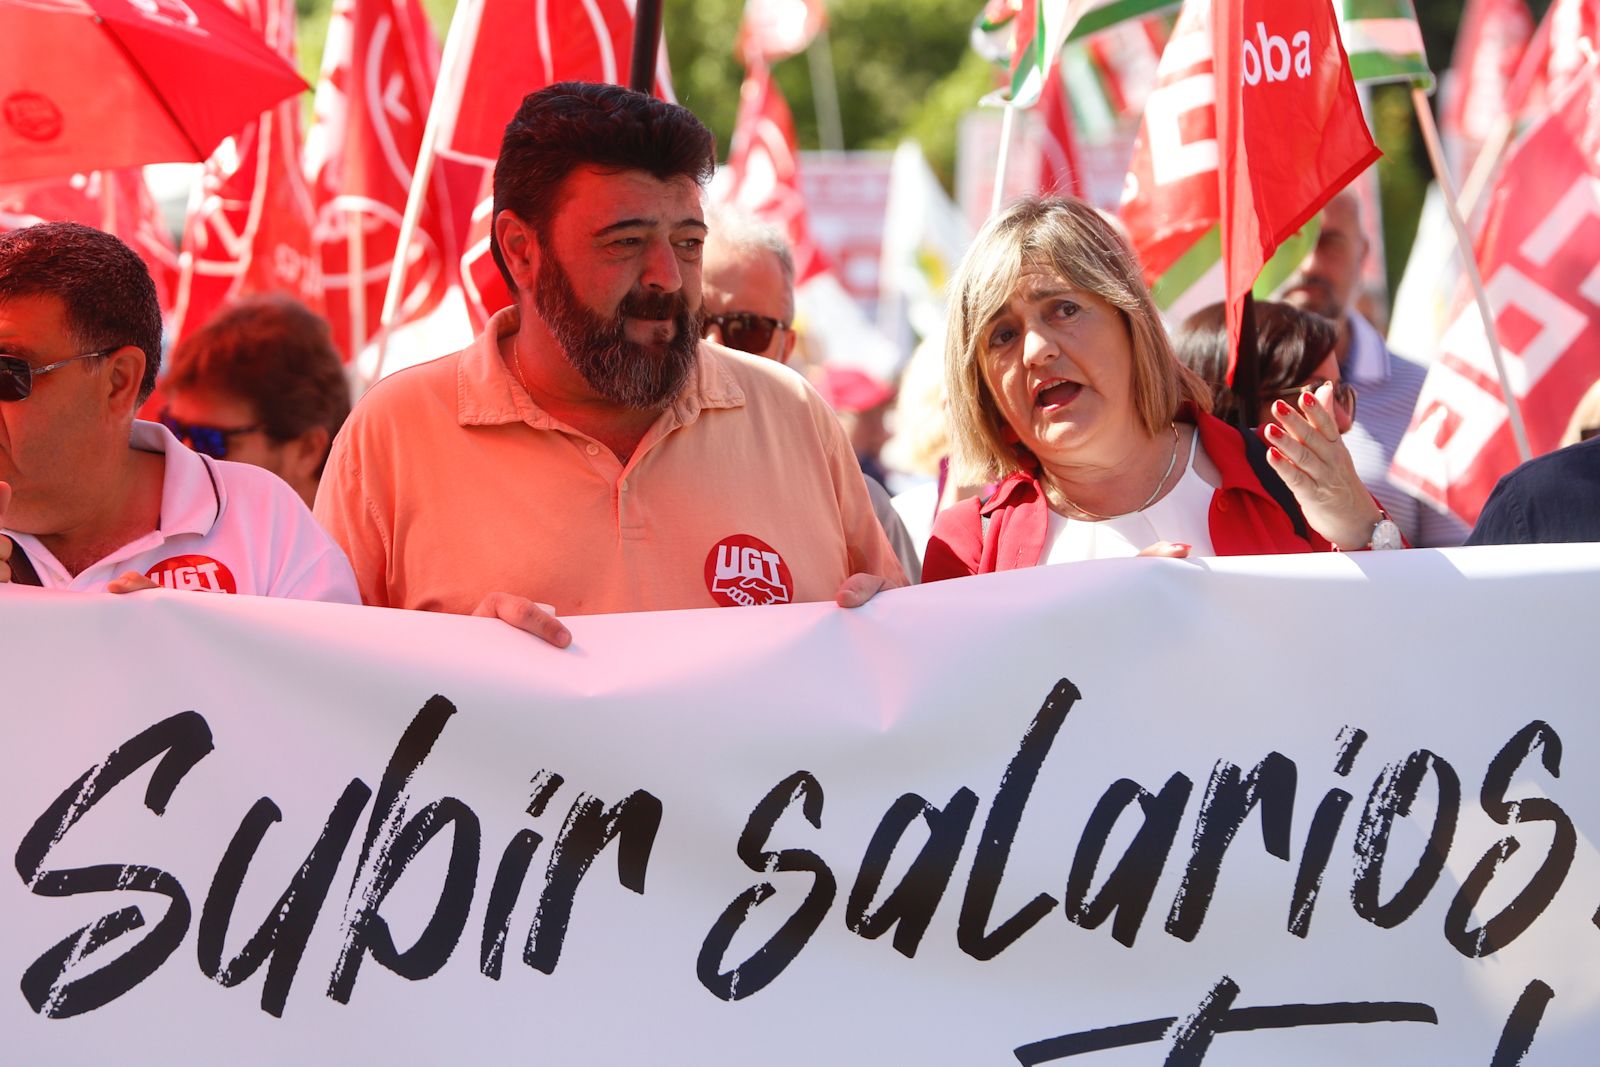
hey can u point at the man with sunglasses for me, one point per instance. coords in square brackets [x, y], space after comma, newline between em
[92, 499]
[260, 383]
[589, 452]
[748, 282]
[747, 279]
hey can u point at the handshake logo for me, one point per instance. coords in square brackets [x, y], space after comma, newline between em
[1275, 58]
[744, 571]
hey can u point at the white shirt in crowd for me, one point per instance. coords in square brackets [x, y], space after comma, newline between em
[225, 527]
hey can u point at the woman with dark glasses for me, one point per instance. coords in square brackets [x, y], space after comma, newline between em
[261, 383]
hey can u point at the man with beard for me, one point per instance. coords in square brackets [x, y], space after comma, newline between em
[1386, 383]
[588, 452]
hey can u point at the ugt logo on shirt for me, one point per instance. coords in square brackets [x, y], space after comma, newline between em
[742, 571]
[193, 572]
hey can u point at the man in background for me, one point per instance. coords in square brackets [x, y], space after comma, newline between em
[748, 285]
[261, 383]
[95, 500]
[1386, 382]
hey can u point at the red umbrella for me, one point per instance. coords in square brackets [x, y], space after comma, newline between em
[95, 84]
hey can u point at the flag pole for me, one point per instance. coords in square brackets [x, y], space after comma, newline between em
[446, 97]
[356, 271]
[1430, 137]
[1007, 129]
[646, 40]
[825, 92]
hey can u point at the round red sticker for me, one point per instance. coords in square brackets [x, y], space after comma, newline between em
[33, 115]
[742, 571]
[193, 572]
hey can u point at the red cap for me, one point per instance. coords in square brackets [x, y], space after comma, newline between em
[850, 390]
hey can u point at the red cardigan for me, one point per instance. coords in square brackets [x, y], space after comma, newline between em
[1244, 521]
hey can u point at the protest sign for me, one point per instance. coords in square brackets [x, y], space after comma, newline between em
[1310, 810]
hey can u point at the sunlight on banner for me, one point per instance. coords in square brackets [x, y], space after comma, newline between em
[1112, 811]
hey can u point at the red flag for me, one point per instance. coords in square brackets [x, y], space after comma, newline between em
[251, 232]
[485, 290]
[1494, 35]
[378, 72]
[776, 29]
[116, 201]
[514, 53]
[1537, 257]
[1170, 197]
[1289, 127]
[1059, 169]
[1562, 44]
[762, 175]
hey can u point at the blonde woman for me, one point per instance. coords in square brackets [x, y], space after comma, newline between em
[1064, 389]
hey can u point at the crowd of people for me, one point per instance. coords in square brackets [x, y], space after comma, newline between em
[626, 436]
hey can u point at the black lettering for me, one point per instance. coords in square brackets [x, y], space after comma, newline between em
[1192, 1038]
[1522, 1024]
[780, 950]
[1229, 798]
[1325, 825]
[284, 933]
[1393, 793]
[1132, 882]
[176, 744]
[508, 879]
[912, 902]
[588, 829]
[1541, 889]
[509, 876]
[390, 846]
[1000, 831]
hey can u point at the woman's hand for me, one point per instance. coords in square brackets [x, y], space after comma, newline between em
[1167, 550]
[1309, 455]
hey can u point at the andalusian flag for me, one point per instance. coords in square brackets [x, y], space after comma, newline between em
[1099, 14]
[1036, 30]
[1384, 42]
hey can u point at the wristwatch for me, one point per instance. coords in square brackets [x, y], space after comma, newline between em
[1385, 535]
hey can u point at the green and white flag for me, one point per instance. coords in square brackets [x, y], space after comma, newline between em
[1195, 279]
[1100, 14]
[1037, 30]
[1384, 42]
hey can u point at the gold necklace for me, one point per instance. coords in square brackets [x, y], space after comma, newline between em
[1171, 463]
[516, 367]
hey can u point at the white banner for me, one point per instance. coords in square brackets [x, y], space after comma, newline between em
[1308, 810]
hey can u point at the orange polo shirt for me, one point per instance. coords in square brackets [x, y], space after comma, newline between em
[448, 483]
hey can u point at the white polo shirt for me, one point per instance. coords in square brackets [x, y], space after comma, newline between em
[225, 527]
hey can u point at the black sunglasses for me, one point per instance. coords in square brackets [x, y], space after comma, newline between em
[207, 440]
[17, 375]
[745, 330]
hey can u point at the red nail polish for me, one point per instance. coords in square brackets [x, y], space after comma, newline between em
[1275, 431]
[1180, 544]
[1281, 408]
[1274, 453]
[1308, 399]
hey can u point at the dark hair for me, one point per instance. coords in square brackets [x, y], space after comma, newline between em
[571, 124]
[1291, 344]
[105, 288]
[275, 354]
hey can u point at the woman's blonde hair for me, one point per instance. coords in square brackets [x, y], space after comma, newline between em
[1585, 417]
[1069, 238]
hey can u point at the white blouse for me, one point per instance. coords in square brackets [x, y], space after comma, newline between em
[1183, 515]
